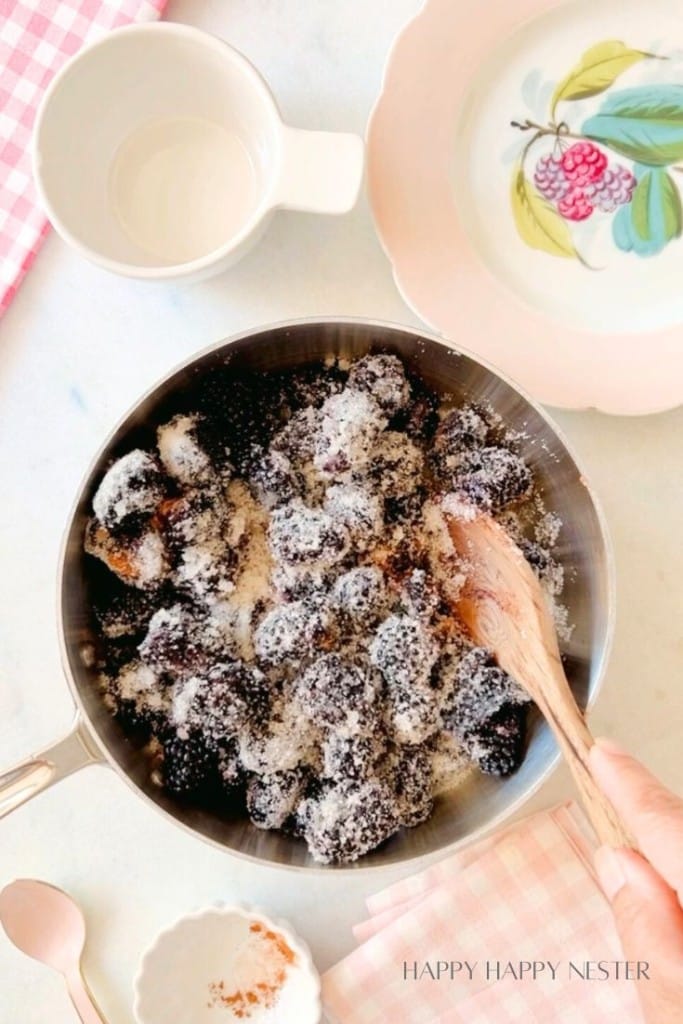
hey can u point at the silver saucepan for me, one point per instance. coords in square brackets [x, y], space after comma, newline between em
[481, 801]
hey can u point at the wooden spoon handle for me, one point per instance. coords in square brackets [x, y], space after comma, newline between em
[575, 740]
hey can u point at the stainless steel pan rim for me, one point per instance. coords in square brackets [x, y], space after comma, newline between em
[84, 745]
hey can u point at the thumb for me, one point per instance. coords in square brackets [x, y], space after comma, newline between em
[649, 920]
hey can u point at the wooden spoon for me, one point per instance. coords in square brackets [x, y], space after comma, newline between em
[505, 610]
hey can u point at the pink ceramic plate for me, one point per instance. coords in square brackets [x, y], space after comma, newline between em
[525, 171]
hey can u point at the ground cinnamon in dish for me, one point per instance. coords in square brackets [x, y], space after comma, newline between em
[269, 956]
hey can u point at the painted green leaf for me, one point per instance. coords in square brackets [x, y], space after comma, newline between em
[538, 222]
[644, 124]
[653, 218]
[597, 70]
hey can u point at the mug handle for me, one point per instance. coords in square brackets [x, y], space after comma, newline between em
[320, 172]
[30, 777]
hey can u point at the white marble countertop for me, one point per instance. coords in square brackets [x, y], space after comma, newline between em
[76, 349]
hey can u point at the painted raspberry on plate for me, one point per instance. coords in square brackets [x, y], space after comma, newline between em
[581, 177]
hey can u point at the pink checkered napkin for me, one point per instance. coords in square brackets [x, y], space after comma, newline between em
[527, 893]
[36, 38]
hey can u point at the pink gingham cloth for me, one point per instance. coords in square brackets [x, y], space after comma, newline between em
[36, 38]
[524, 894]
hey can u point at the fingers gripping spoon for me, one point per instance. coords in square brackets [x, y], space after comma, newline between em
[46, 924]
[505, 610]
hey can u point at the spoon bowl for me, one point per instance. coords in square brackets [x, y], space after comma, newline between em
[47, 925]
[43, 922]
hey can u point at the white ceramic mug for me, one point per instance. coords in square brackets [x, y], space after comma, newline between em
[159, 152]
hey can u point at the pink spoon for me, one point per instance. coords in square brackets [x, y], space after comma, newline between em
[46, 924]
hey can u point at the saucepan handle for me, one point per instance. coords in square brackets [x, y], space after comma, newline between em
[26, 780]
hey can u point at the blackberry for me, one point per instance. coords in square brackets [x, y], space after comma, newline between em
[187, 767]
[497, 747]
[336, 693]
[350, 757]
[125, 613]
[296, 440]
[360, 595]
[420, 419]
[299, 535]
[181, 455]
[413, 714]
[228, 765]
[137, 696]
[396, 465]
[459, 430]
[272, 799]
[351, 422]
[358, 509]
[217, 705]
[274, 480]
[130, 491]
[413, 775]
[174, 641]
[383, 377]
[291, 632]
[480, 689]
[405, 510]
[347, 820]
[286, 741]
[404, 652]
[491, 478]
[419, 595]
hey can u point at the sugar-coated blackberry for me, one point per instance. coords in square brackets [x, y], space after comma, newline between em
[336, 693]
[174, 641]
[419, 595]
[481, 689]
[217, 704]
[291, 632]
[272, 799]
[299, 535]
[459, 430]
[274, 480]
[497, 746]
[187, 766]
[137, 696]
[181, 455]
[240, 414]
[413, 776]
[491, 477]
[405, 510]
[360, 595]
[199, 516]
[296, 440]
[396, 465]
[404, 651]
[351, 757]
[228, 765]
[140, 560]
[288, 740]
[130, 491]
[412, 713]
[383, 377]
[357, 508]
[419, 419]
[351, 423]
[125, 614]
[347, 820]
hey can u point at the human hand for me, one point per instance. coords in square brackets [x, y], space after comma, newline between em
[646, 892]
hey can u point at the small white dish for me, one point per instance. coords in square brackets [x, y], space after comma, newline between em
[227, 963]
[159, 152]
